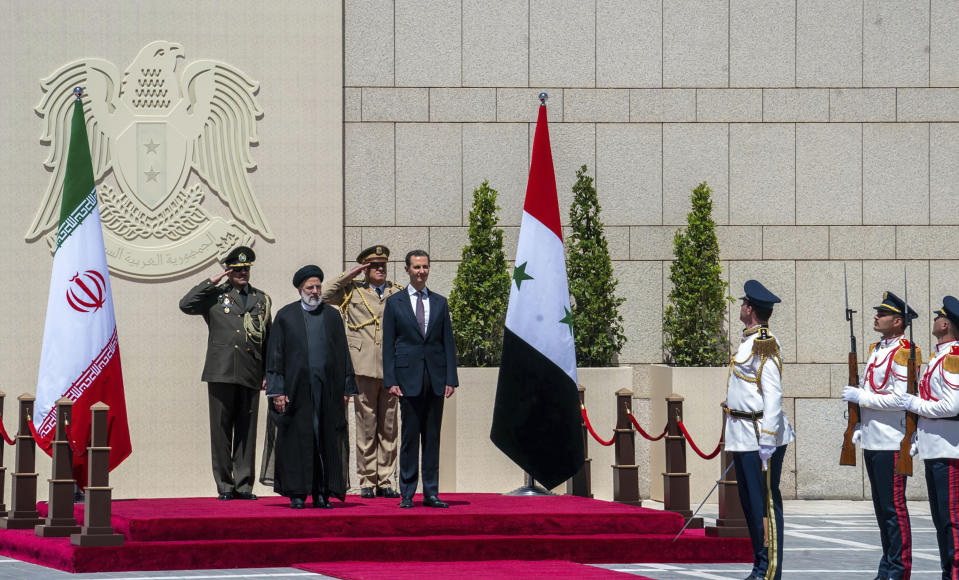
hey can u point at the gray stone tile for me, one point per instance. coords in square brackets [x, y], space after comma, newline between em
[740, 242]
[862, 105]
[351, 104]
[823, 333]
[352, 243]
[629, 43]
[839, 373]
[883, 275]
[428, 35]
[441, 276]
[927, 104]
[795, 105]
[895, 43]
[762, 174]
[446, 243]
[399, 240]
[495, 43]
[780, 278]
[523, 105]
[819, 427]
[429, 174]
[895, 160]
[943, 281]
[629, 173]
[944, 51]
[805, 380]
[571, 61]
[596, 105]
[662, 105]
[573, 145]
[640, 385]
[762, 45]
[829, 162]
[943, 173]
[369, 174]
[462, 105]
[651, 242]
[696, 43]
[862, 242]
[395, 104]
[500, 153]
[642, 318]
[927, 243]
[795, 242]
[829, 43]
[692, 154]
[368, 42]
[510, 241]
[729, 105]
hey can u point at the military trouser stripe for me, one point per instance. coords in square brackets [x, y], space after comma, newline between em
[771, 532]
[902, 514]
[954, 515]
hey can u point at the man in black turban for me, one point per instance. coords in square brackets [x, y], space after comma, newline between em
[309, 377]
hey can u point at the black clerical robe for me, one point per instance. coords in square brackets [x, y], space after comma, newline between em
[308, 360]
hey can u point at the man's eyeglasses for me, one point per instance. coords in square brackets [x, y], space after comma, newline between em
[240, 268]
[377, 265]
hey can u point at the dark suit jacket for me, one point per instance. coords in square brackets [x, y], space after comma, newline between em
[405, 349]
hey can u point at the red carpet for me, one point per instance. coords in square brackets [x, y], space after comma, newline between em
[497, 570]
[172, 534]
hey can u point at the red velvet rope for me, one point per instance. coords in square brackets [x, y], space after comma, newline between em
[582, 411]
[644, 433]
[3, 432]
[36, 437]
[693, 445]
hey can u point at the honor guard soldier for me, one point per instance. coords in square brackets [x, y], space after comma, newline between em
[882, 427]
[757, 429]
[937, 440]
[238, 318]
[361, 305]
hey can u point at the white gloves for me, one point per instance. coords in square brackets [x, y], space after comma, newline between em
[914, 449]
[909, 402]
[765, 452]
[857, 433]
[851, 394]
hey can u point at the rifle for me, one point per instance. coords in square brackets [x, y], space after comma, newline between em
[848, 455]
[904, 464]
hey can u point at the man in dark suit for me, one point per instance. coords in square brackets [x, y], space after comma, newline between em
[419, 367]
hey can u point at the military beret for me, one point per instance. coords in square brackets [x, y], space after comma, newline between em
[950, 309]
[892, 303]
[239, 256]
[373, 253]
[758, 295]
[306, 272]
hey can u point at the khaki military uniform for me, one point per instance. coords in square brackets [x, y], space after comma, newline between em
[362, 310]
[239, 324]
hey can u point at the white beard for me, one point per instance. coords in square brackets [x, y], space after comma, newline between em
[309, 302]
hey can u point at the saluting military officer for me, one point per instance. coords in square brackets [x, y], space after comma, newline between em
[757, 429]
[937, 440]
[881, 430]
[362, 305]
[238, 318]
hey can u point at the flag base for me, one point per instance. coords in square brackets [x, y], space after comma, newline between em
[531, 488]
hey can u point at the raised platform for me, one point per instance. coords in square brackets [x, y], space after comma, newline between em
[172, 534]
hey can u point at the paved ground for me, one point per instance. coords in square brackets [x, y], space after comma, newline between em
[824, 540]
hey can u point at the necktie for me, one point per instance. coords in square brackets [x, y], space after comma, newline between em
[379, 291]
[420, 312]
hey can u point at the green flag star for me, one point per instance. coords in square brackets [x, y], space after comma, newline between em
[519, 274]
[568, 320]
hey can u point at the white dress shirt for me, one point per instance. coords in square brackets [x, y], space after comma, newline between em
[426, 302]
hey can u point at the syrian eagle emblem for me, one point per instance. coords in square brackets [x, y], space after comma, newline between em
[163, 135]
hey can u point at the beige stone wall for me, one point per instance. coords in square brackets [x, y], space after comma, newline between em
[826, 129]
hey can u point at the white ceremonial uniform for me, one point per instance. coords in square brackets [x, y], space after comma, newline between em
[754, 385]
[938, 436]
[882, 419]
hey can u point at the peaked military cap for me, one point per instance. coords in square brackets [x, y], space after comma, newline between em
[758, 295]
[374, 254]
[950, 309]
[239, 256]
[894, 304]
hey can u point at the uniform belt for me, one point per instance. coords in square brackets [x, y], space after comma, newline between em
[751, 415]
[954, 418]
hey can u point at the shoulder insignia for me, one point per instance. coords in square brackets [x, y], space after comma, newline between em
[951, 363]
[902, 355]
[954, 349]
[872, 347]
[765, 345]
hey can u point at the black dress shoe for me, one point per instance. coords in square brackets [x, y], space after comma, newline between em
[388, 492]
[322, 501]
[366, 492]
[244, 495]
[297, 503]
[433, 501]
[225, 496]
[406, 502]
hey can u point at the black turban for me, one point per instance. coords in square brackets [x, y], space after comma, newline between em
[306, 272]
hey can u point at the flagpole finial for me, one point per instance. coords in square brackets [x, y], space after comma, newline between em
[78, 92]
[542, 98]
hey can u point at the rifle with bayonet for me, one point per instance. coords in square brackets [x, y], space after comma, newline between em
[848, 455]
[904, 464]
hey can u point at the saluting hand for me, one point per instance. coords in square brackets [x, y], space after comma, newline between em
[357, 269]
[215, 279]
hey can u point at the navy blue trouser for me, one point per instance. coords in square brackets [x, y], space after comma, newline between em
[942, 482]
[759, 494]
[892, 515]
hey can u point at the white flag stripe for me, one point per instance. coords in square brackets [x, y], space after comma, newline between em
[537, 308]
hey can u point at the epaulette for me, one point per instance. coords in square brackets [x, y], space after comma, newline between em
[951, 363]
[765, 344]
[397, 286]
[902, 355]
[872, 347]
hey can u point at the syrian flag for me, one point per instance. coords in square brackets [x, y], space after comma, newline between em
[80, 359]
[536, 417]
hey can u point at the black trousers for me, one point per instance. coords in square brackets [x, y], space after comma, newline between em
[233, 415]
[759, 495]
[942, 482]
[422, 417]
[892, 514]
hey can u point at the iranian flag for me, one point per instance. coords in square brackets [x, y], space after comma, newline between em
[536, 417]
[80, 359]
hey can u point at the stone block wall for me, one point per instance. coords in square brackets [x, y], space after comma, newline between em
[825, 128]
